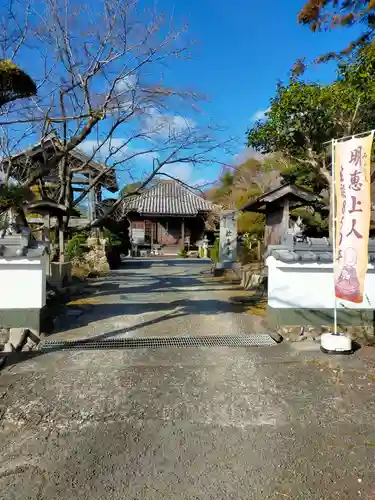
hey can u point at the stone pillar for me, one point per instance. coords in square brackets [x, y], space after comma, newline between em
[183, 232]
[228, 239]
[61, 244]
[46, 229]
[98, 194]
[91, 201]
[46, 238]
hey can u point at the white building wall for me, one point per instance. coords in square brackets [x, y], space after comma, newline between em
[23, 283]
[310, 285]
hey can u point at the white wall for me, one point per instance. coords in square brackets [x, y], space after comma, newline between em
[23, 283]
[310, 285]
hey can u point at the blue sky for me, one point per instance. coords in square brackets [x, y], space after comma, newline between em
[242, 52]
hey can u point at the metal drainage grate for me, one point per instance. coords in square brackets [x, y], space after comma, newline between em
[258, 340]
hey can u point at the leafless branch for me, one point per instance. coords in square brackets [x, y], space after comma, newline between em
[103, 81]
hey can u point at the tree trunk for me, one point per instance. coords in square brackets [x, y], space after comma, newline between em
[60, 226]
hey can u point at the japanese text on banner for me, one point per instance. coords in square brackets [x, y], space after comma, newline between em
[353, 207]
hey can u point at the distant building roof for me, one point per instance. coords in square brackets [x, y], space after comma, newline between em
[52, 142]
[294, 193]
[167, 198]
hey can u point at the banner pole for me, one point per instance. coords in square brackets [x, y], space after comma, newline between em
[334, 224]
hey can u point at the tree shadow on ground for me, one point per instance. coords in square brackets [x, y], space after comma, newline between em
[91, 313]
[146, 262]
[124, 293]
[129, 287]
[145, 284]
[209, 307]
[18, 357]
[255, 304]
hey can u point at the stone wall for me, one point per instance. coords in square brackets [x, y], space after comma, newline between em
[364, 334]
[361, 330]
[93, 262]
[254, 277]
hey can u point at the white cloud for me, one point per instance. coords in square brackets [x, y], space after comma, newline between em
[166, 125]
[261, 114]
[184, 172]
[202, 183]
[181, 171]
[245, 155]
[126, 84]
[115, 150]
[145, 157]
[124, 93]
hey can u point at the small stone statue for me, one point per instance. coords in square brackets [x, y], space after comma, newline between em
[13, 224]
[205, 246]
[297, 227]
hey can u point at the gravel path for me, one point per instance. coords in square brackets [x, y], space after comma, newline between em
[156, 298]
[283, 422]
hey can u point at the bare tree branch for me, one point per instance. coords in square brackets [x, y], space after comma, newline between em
[101, 82]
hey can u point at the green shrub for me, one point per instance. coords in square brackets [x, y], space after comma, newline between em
[14, 196]
[112, 238]
[14, 83]
[201, 252]
[76, 246]
[250, 239]
[245, 256]
[214, 253]
[182, 252]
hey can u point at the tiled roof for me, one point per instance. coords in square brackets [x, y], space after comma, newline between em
[53, 143]
[291, 191]
[295, 249]
[167, 198]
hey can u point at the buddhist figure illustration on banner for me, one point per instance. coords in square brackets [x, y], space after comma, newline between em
[347, 284]
[353, 206]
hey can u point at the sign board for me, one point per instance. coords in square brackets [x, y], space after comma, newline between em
[228, 237]
[352, 160]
